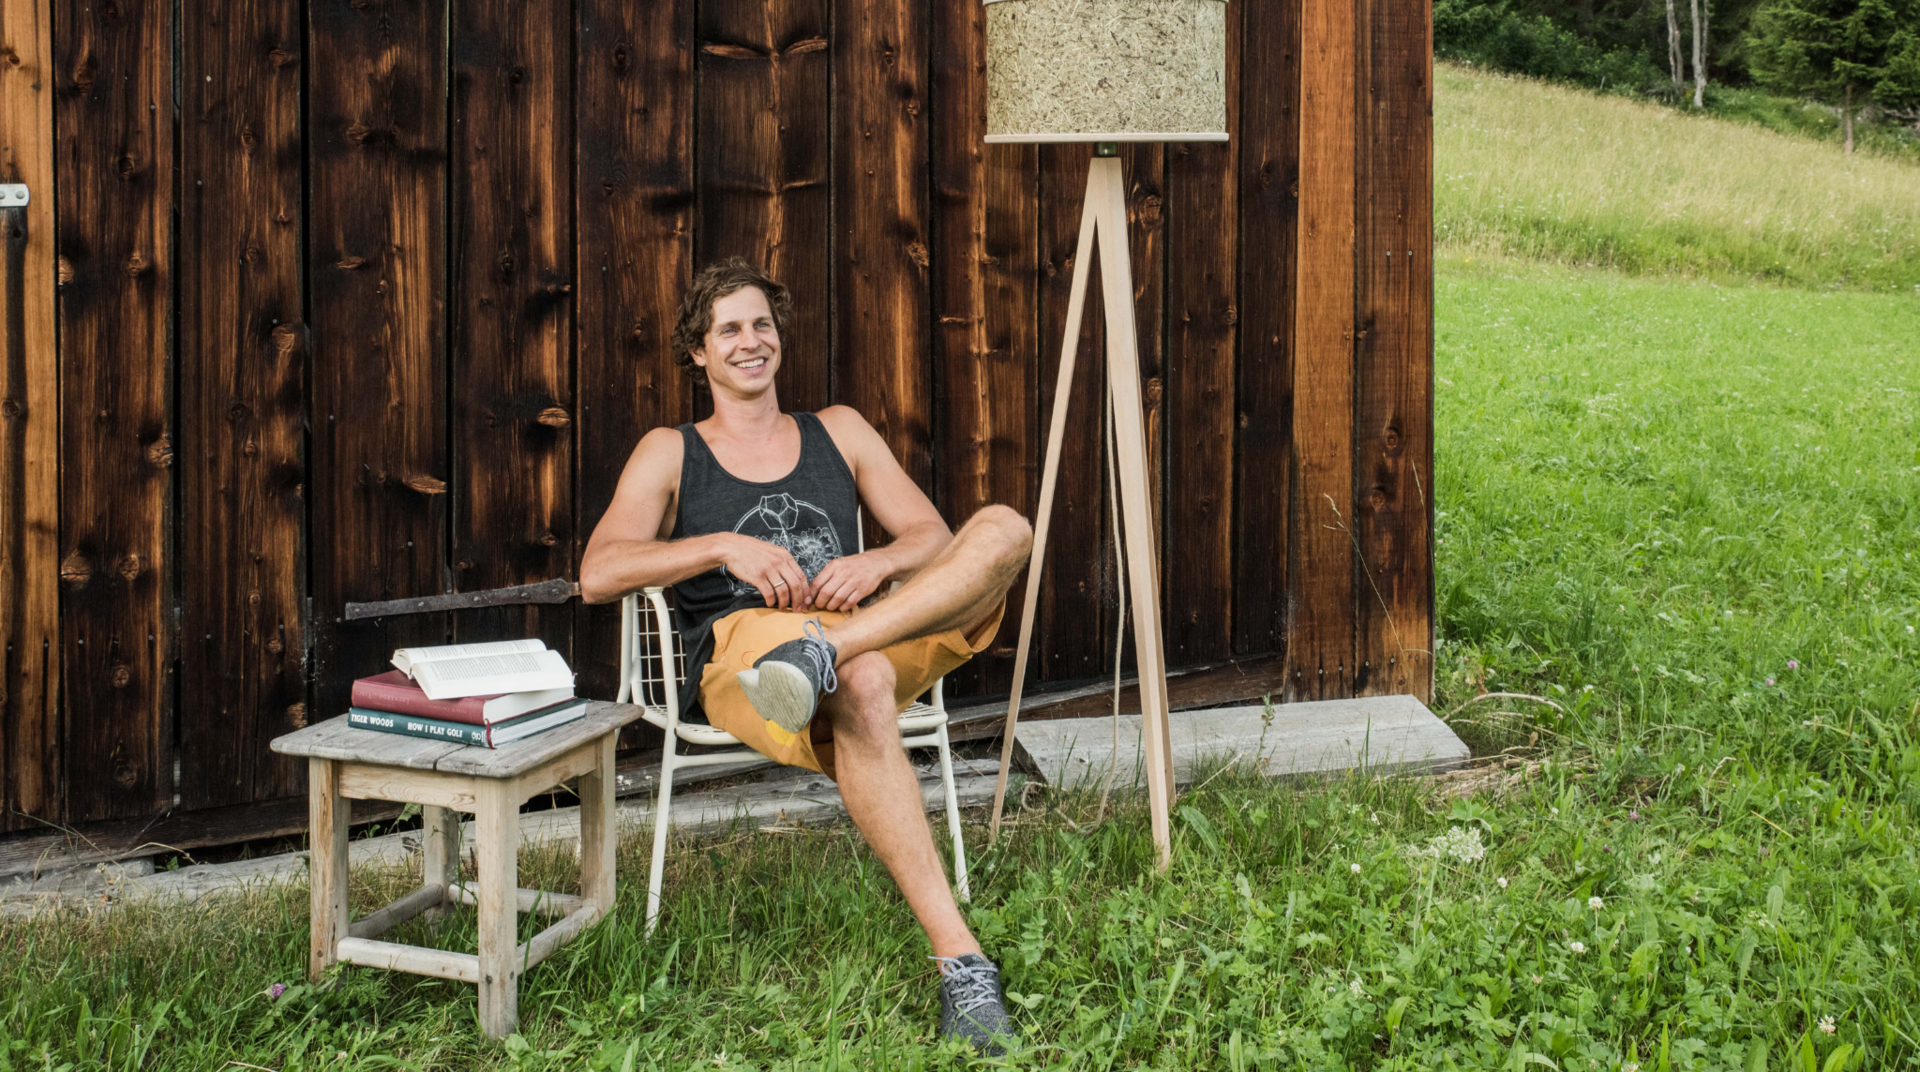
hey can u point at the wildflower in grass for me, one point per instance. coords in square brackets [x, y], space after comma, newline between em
[1596, 903]
[276, 990]
[1633, 815]
[1355, 868]
[1793, 664]
[1577, 947]
[1502, 880]
[1630, 1066]
[1356, 989]
[1769, 681]
[1827, 1026]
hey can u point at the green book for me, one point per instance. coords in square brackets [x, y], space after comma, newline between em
[463, 733]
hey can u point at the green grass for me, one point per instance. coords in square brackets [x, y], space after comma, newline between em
[1656, 496]
[1810, 120]
[1529, 169]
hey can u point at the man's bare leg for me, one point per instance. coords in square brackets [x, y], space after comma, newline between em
[883, 797]
[959, 588]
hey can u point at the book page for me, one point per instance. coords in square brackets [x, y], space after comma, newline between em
[483, 675]
[406, 659]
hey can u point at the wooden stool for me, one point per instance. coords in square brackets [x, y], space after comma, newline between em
[345, 763]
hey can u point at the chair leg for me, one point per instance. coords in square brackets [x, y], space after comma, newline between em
[497, 833]
[597, 829]
[441, 826]
[662, 813]
[328, 815]
[953, 818]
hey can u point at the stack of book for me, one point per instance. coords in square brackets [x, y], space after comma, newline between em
[473, 694]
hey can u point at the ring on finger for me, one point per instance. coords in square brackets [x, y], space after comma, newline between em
[777, 584]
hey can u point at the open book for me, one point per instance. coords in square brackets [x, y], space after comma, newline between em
[451, 671]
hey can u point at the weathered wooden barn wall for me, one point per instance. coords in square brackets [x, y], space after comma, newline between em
[332, 300]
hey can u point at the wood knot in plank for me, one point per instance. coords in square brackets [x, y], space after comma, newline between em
[160, 453]
[122, 675]
[917, 253]
[63, 271]
[280, 57]
[811, 44]
[128, 567]
[427, 485]
[83, 72]
[285, 339]
[297, 716]
[555, 417]
[622, 59]
[733, 52]
[75, 570]
[136, 264]
[348, 264]
[12, 408]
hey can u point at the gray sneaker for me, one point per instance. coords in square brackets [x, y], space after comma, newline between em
[970, 1003]
[785, 684]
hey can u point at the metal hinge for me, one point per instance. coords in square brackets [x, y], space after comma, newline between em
[13, 195]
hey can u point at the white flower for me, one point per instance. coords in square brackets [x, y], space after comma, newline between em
[1578, 947]
[1356, 989]
[1596, 903]
[1459, 843]
[1630, 1067]
[1373, 817]
[1355, 869]
[1554, 810]
[1827, 1026]
[1502, 880]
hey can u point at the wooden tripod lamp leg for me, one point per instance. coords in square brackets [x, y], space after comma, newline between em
[1049, 479]
[1136, 506]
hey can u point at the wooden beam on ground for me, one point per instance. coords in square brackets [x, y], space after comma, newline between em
[30, 744]
[1188, 688]
[1373, 736]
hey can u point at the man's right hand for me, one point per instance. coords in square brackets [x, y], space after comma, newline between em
[769, 567]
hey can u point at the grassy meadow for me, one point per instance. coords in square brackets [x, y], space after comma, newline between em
[1677, 503]
[1526, 168]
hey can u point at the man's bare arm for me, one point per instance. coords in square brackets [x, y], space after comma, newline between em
[629, 549]
[894, 500]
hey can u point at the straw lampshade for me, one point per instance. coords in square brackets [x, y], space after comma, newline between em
[1106, 70]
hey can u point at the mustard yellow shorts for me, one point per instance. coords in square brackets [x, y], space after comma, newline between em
[742, 637]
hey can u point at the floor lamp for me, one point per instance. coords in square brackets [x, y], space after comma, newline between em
[1106, 72]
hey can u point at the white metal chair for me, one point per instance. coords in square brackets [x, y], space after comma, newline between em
[646, 680]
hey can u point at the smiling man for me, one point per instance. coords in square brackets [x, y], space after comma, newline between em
[751, 515]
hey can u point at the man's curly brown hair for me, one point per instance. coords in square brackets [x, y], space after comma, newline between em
[712, 283]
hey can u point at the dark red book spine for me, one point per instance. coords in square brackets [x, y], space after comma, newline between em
[402, 697]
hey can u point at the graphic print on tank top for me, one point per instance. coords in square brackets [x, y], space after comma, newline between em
[802, 528]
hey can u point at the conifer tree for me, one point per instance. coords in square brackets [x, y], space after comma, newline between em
[1840, 52]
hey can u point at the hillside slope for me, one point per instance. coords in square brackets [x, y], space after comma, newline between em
[1525, 168]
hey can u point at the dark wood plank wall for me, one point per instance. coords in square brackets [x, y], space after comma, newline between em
[429, 261]
[30, 739]
[115, 189]
[512, 331]
[242, 401]
[377, 145]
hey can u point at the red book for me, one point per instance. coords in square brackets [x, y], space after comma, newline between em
[395, 693]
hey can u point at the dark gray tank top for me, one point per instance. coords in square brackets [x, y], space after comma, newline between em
[812, 512]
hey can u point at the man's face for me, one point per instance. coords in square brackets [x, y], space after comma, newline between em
[742, 348]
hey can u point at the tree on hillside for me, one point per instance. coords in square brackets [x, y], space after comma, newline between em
[1840, 52]
[1700, 33]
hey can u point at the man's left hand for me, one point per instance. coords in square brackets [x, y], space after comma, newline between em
[844, 582]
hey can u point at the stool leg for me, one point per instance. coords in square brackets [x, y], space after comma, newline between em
[328, 814]
[497, 837]
[442, 857]
[597, 829]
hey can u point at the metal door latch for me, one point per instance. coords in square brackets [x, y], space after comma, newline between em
[13, 195]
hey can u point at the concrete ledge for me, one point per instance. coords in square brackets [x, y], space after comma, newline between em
[1377, 735]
